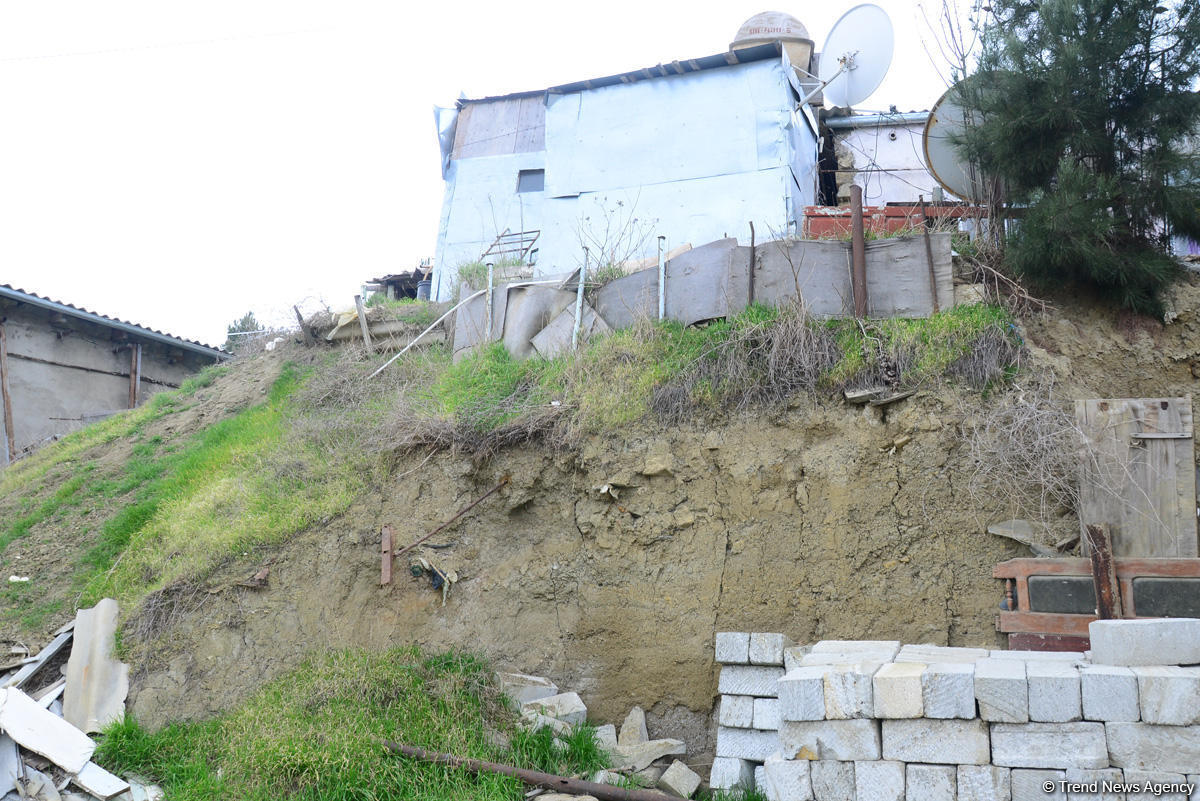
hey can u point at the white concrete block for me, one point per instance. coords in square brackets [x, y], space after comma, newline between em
[730, 773]
[879, 781]
[747, 743]
[793, 655]
[897, 690]
[1094, 785]
[856, 646]
[1151, 641]
[766, 713]
[1110, 693]
[1002, 690]
[984, 783]
[1194, 780]
[832, 780]
[1145, 746]
[843, 740]
[523, 688]
[737, 711]
[732, 647]
[678, 779]
[852, 658]
[948, 690]
[1169, 695]
[849, 691]
[567, 707]
[787, 780]
[1053, 692]
[1038, 785]
[930, 654]
[1038, 656]
[761, 682]
[1049, 745]
[760, 779]
[1156, 785]
[943, 742]
[802, 694]
[767, 649]
[930, 783]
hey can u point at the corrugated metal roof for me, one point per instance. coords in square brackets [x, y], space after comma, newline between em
[33, 299]
[726, 59]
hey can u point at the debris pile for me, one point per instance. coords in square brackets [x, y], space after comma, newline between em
[51, 701]
[847, 719]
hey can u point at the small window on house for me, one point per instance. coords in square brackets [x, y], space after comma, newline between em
[531, 180]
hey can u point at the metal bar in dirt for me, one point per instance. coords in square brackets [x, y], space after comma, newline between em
[10, 448]
[929, 256]
[1104, 575]
[753, 254]
[385, 575]
[579, 302]
[362, 321]
[662, 278]
[858, 252]
[534, 778]
[457, 515]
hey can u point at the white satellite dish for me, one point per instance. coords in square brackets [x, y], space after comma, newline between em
[947, 122]
[857, 54]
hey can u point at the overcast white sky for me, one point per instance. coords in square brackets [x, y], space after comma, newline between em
[179, 163]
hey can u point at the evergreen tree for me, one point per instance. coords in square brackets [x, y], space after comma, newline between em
[248, 322]
[1087, 117]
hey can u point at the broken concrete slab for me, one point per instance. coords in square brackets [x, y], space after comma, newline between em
[678, 779]
[637, 757]
[10, 763]
[567, 707]
[99, 782]
[38, 786]
[555, 339]
[633, 730]
[43, 733]
[23, 675]
[522, 688]
[96, 682]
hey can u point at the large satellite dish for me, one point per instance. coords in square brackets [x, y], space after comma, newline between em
[857, 54]
[947, 122]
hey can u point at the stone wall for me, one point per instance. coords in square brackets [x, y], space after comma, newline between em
[853, 720]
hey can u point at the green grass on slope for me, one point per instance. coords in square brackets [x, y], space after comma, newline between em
[313, 736]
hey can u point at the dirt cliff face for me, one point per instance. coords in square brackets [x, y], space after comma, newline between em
[822, 521]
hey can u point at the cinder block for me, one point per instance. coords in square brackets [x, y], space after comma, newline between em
[1053, 692]
[787, 780]
[1030, 785]
[761, 682]
[843, 740]
[1156, 785]
[948, 690]
[832, 780]
[679, 779]
[1151, 641]
[929, 654]
[849, 692]
[984, 783]
[766, 713]
[746, 743]
[930, 783]
[737, 711]
[731, 773]
[857, 646]
[1002, 690]
[879, 781]
[793, 656]
[1049, 745]
[1145, 746]
[732, 647]
[767, 649]
[1110, 693]
[897, 690]
[1169, 695]
[802, 694]
[1089, 785]
[942, 742]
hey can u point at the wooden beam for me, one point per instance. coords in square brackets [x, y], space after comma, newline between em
[10, 447]
[135, 373]
[1104, 575]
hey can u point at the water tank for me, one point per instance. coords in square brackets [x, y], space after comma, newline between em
[775, 26]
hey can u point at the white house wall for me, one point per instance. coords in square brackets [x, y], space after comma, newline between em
[889, 171]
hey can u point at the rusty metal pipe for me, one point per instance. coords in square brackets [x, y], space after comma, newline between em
[929, 255]
[534, 778]
[503, 482]
[858, 252]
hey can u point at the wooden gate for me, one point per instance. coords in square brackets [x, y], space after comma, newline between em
[1138, 475]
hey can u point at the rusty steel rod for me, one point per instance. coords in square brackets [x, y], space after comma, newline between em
[534, 778]
[1104, 575]
[753, 259]
[929, 256]
[385, 575]
[858, 252]
[457, 515]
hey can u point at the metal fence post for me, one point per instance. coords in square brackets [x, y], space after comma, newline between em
[662, 277]
[489, 300]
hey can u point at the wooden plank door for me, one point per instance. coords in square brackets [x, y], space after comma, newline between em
[1138, 474]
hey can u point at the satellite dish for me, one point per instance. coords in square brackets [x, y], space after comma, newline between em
[947, 122]
[857, 54]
